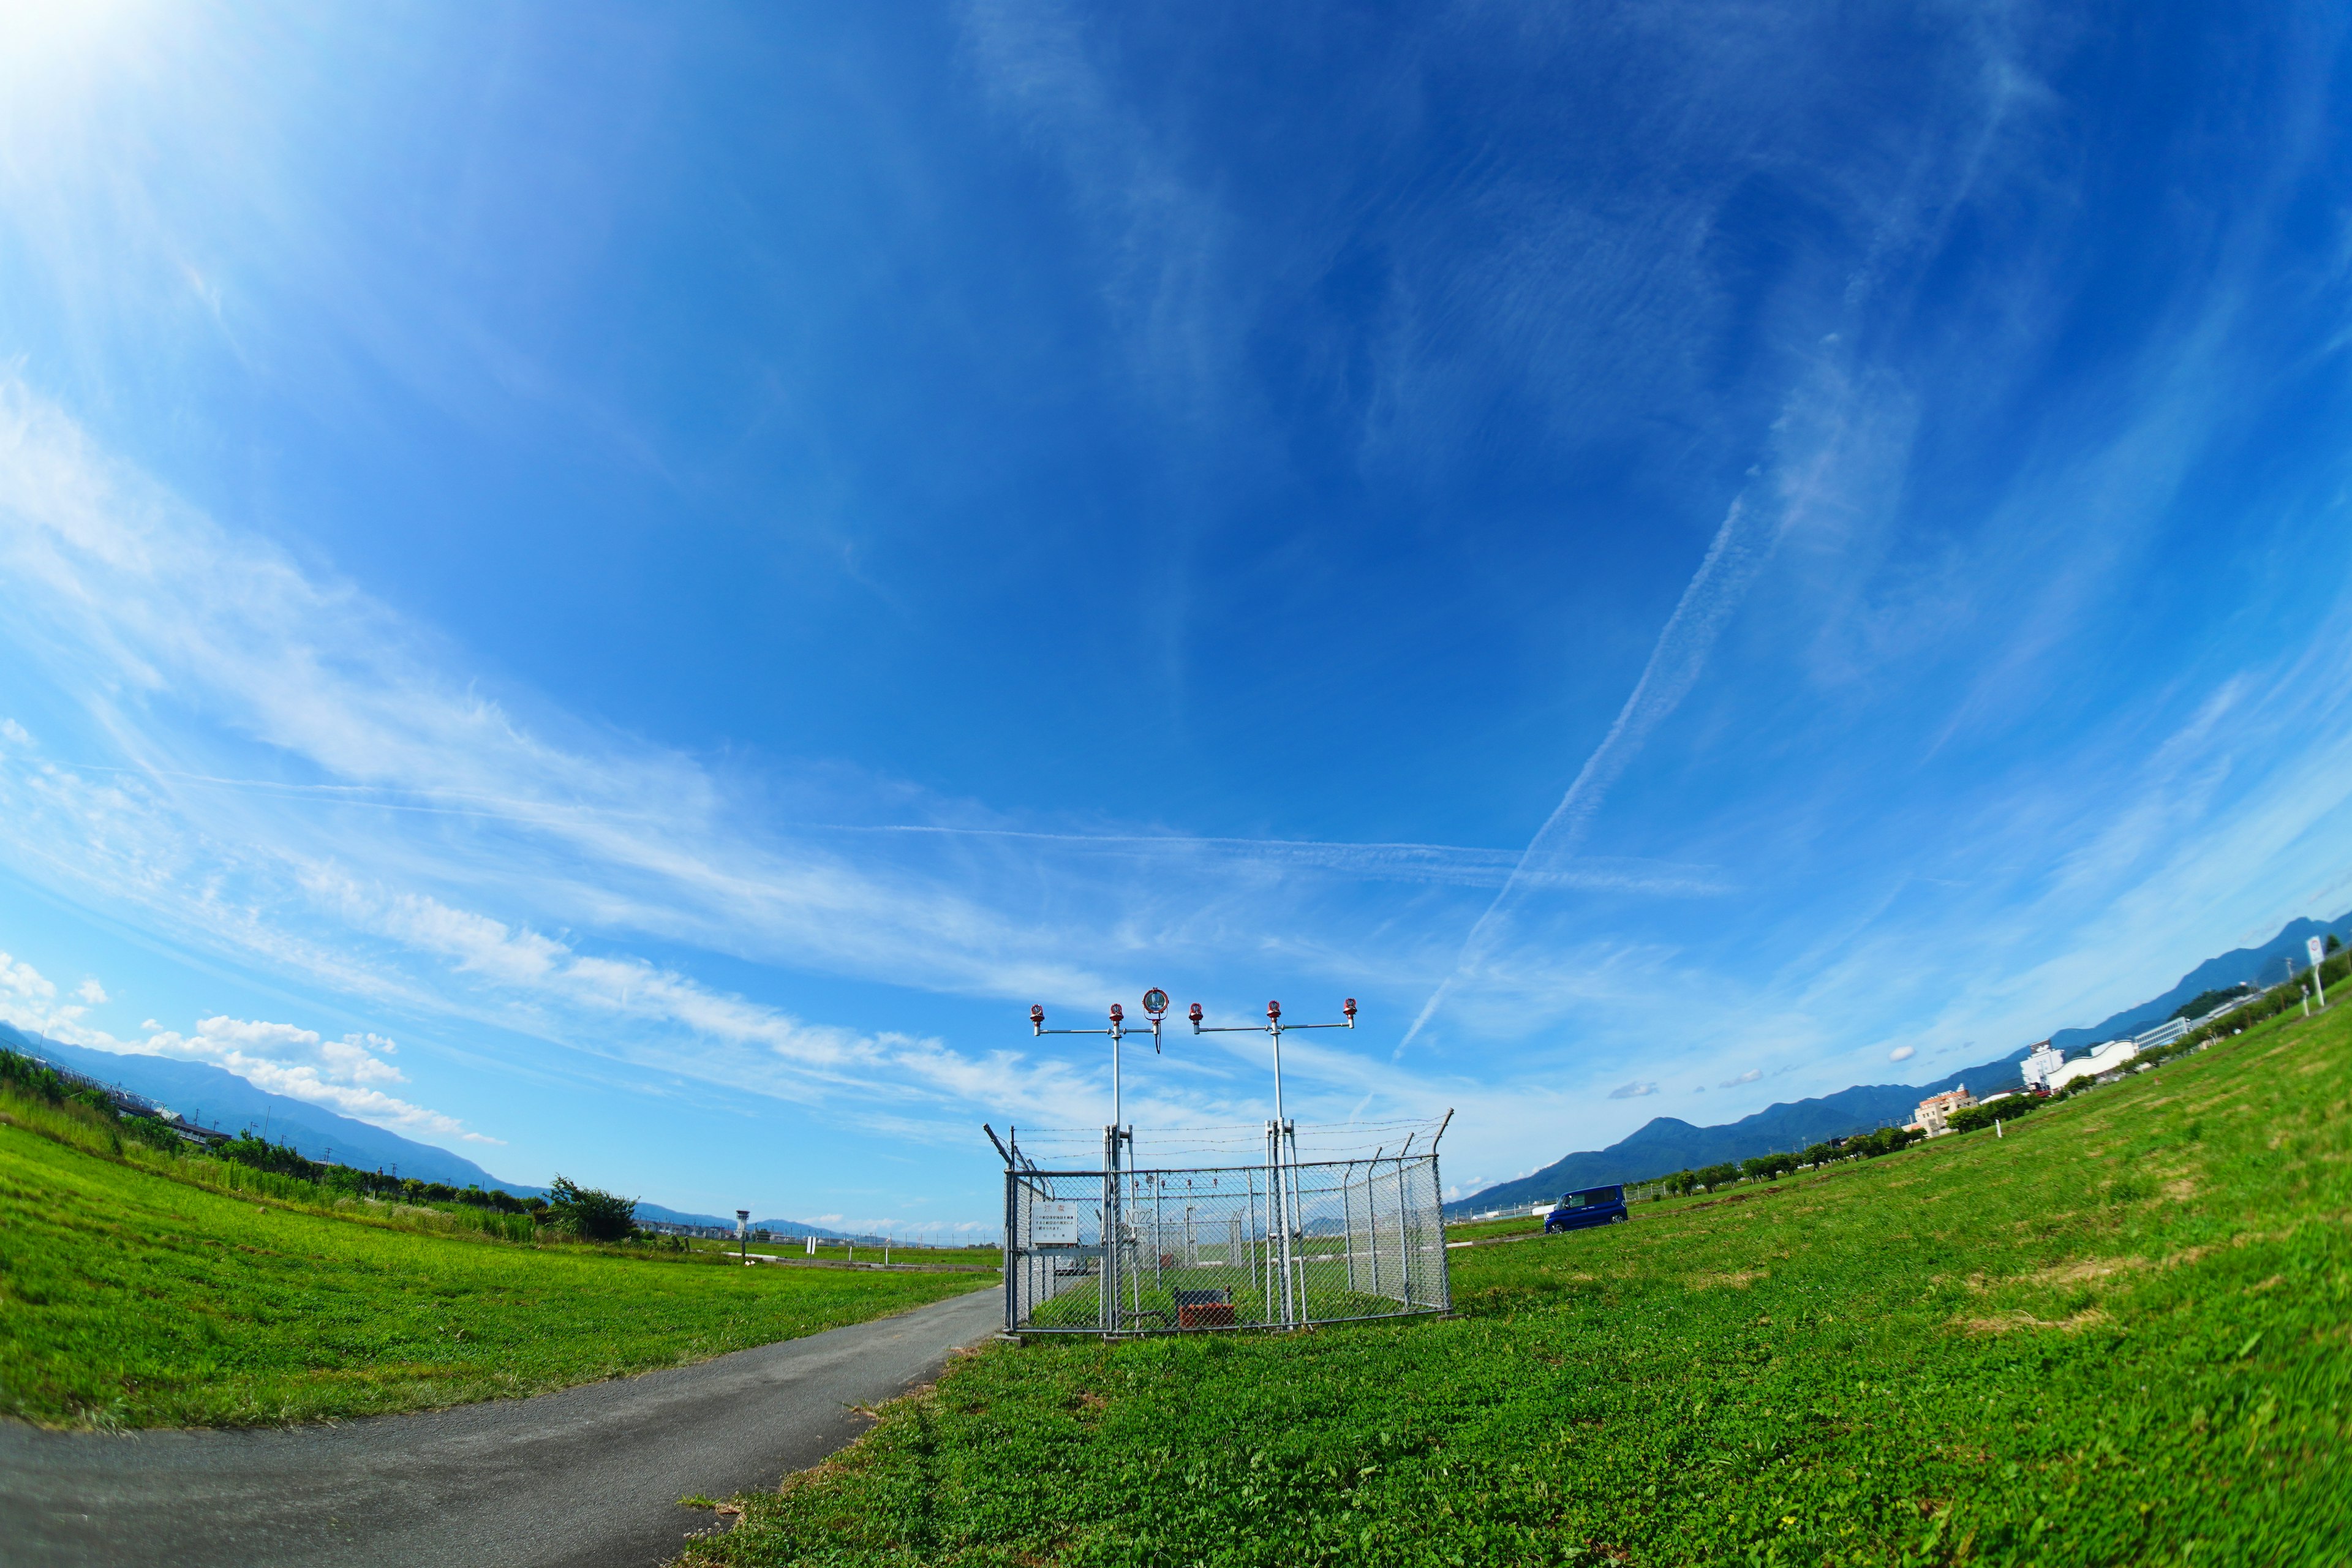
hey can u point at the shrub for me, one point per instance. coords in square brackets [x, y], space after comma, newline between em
[588, 1213]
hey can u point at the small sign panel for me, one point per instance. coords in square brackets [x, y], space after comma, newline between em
[1155, 1001]
[1053, 1224]
[2314, 947]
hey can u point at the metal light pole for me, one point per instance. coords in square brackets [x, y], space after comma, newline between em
[1155, 1007]
[1280, 1133]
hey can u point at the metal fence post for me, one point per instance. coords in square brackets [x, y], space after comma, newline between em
[1405, 1240]
[1106, 1292]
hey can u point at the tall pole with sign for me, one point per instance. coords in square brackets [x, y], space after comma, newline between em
[2318, 951]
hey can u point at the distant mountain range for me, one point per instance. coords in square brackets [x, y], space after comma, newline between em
[219, 1098]
[2263, 966]
[1665, 1144]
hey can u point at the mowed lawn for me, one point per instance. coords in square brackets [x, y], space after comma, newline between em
[128, 1299]
[2121, 1333]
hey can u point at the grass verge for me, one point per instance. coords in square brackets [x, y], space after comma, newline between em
[129, 1299]
[2121, 1333]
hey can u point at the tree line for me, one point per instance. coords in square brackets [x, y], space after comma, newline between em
[1766, 1167]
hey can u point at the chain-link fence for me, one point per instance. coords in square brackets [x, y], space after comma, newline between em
[1277, 1245]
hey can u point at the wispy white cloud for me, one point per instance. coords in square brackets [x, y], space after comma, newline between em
[188, 655]
[344, 1075]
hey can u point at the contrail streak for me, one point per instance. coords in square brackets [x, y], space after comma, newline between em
[1740, 546]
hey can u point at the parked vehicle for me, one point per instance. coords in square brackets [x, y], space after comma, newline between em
[1594, 1205]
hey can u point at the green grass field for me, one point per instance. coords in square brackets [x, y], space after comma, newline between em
[130, 1298]
[2122, 1333]
[793, 1251]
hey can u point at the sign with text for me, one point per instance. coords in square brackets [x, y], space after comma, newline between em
[1053, 1224]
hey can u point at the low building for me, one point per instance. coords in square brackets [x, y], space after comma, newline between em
[1934, 1116]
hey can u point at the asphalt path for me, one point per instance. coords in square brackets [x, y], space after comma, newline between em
[585, 1478]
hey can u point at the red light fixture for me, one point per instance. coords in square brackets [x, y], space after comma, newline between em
[1349, 1007]
[1195, 1013]
[1036, 1016]
[1274, 1012]
[1116, 1015]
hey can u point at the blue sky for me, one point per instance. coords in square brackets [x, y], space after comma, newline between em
[622, 589]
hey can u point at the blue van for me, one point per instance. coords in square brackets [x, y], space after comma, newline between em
[1594, 1205]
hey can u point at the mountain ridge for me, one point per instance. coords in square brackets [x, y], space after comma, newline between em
[1665, 1144]
[2218, 974]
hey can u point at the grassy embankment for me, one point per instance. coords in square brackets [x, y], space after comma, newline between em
[2122, 1333]
[131, 1298]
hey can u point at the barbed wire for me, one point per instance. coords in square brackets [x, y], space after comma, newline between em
[1241, 1144]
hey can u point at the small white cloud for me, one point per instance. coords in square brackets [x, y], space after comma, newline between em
[29, 1001]
[1751, 1076]
[24, 983]
[344, 1075]
[1634, 1090]
[15, 731]
[1901, 1054]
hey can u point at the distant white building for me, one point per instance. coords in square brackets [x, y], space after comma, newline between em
[2048, 1070]
[2109, 1057]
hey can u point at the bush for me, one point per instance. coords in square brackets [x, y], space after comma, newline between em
[588, 1213]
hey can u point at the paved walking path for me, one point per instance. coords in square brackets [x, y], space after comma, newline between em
[586, 1478]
